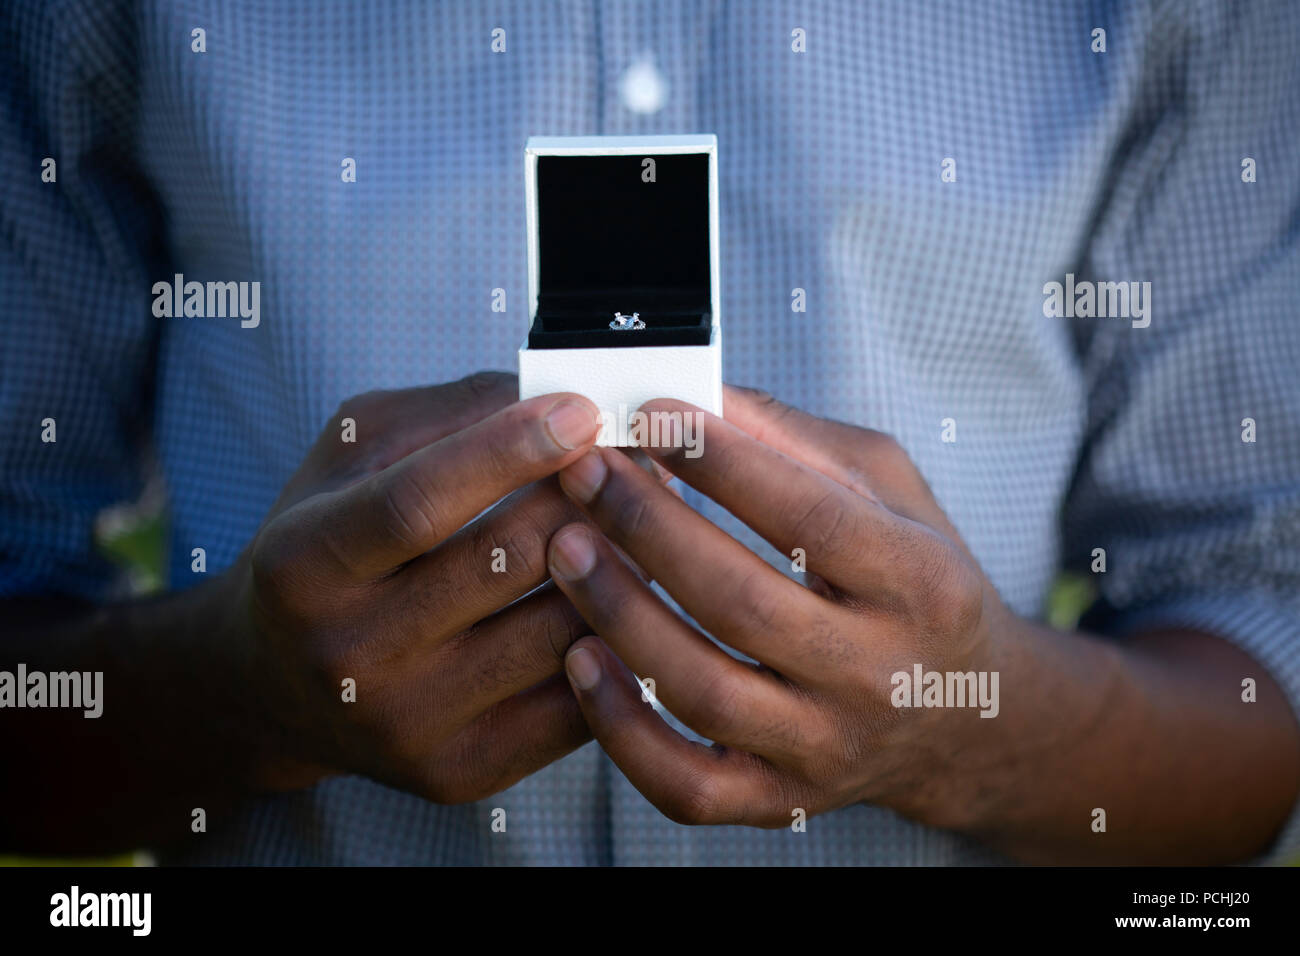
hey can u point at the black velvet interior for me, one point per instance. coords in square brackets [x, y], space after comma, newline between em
[609, 242]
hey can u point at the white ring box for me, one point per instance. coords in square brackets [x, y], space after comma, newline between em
[602, 239]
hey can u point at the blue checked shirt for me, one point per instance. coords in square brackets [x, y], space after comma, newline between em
[924, 300]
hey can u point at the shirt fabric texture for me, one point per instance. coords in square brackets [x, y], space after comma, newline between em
[924, 302]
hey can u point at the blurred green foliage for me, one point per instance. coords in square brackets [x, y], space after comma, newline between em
[1070, 596]
[136, 540]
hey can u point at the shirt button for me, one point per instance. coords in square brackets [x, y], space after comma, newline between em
[643, 88]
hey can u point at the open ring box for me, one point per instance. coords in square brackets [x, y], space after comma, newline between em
[623, 224]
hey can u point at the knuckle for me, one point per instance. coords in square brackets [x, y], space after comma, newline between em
[360, 405]
[772, 408]
[377, 452]
[876, 447]
[951, 597]
[410, 514]
[718, 708]
[827, 528]
[562, 627]
[434, 790]
[819, 741]
[964, 601]
[485, 383]
[476, 757]
[781, 796]
[345, 409]
[632, 514]
[771, 818]
[760, 605]
[513, 444]
[535, 653]
[882, 443]
[523, 544]
[375, 443]
[697, 803]
[446, 780]
[429, 597]
[766, 399]
[895, 477]
[443, 784]
[336, 658]
[772, 810]
[456, 788]
[278, 561]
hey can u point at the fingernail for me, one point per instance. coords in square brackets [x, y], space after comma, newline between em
[583, 668]
[571, 425]
[584, 477]
[573, 555]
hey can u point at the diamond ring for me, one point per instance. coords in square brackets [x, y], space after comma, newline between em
[624, 323]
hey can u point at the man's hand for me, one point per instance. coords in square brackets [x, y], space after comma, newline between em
[365, 573]
[812, 725]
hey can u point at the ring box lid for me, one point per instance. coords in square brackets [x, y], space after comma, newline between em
[602, 239]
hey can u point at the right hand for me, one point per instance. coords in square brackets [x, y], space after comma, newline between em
[367, 569]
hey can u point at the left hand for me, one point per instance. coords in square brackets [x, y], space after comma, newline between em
[811, 725]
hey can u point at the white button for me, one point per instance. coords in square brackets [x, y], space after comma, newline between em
[643, 88]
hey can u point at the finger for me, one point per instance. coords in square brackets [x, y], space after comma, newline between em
[687, 781]
[386, 426]
[850, 539]
[390, 424]
[381, 523]
[733, 593]
[867, 461]
[492, 561]
[503, 655]
[716, 695]
[512, 740]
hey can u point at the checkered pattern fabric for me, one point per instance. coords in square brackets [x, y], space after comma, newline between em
[925, 299]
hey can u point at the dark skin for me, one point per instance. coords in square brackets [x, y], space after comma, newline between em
[1153, 731]
[362, 570]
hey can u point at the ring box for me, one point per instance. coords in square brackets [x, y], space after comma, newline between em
[623, 224]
